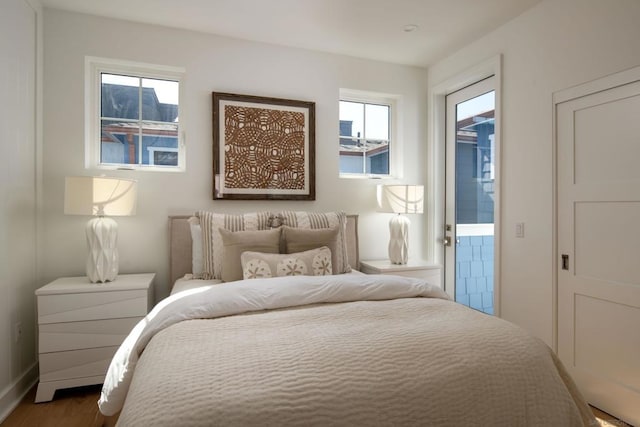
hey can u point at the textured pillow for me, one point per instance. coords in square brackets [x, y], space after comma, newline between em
[303, 239]
[316, 262]
[237, 242]
[313, 220]
[197, 260]
[212, 249]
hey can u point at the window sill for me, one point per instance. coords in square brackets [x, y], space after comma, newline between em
[363, 176]
[138, 168]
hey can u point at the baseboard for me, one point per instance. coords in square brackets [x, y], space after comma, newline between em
[13, 394]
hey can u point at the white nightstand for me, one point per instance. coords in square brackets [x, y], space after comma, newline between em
[82, 324]
[417, 269]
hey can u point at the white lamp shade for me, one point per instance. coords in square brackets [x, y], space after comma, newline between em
[401, 198]
[88, 195]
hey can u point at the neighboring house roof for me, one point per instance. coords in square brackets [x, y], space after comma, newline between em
[372, 147]
[476, 119]
[468, 127]
[121, 102]
[351, 146]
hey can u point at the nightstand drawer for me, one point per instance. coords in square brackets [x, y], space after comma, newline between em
[91, 306]
[89, 334]
[65, 365]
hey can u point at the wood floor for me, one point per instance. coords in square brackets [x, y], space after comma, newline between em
[77, 407]
[74, 407]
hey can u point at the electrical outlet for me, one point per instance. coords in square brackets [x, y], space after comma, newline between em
[17, 332]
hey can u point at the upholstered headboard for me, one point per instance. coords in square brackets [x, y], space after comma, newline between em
[180, 245]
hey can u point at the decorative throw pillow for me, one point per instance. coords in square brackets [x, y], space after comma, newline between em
[237, 242]
[314, 220]
[212, 249]
[197, 260]
[316, 262]
[302, 239]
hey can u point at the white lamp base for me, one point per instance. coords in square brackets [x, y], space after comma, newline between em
[399, 239]
[102, 239]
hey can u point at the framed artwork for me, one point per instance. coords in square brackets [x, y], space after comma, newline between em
[263, 148]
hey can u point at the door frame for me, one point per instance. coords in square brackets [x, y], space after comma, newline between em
[436, 174]
[600, 84]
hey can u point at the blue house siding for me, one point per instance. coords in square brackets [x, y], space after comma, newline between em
[122, 156]
[474, 272]
[123, 127]
[474, 208]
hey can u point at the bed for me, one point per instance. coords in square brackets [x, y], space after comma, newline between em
[340, 349]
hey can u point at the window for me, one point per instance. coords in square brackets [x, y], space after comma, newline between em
[133, 116]
[366, 124]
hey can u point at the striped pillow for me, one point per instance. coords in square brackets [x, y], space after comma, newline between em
[314, 221]
[213, 248]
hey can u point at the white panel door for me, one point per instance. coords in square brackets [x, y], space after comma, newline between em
[598, 202]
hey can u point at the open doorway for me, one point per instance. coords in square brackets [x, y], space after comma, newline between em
[470, 158]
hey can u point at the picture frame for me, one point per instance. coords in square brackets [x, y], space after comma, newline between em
[263, 148]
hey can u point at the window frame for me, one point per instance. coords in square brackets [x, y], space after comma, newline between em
[94, 67]
[374, 98]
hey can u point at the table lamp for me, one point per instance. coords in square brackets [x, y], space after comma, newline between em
[400, 199]
[100, 197]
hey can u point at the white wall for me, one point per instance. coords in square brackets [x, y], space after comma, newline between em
[555, 45]
[213, 64]
[19, 50]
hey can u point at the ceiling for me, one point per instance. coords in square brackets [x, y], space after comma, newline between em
[373, 29]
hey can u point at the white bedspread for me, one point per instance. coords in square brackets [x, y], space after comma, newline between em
[242, 297]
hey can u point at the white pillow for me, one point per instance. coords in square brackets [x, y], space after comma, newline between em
[197, 260]
[315, 262]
